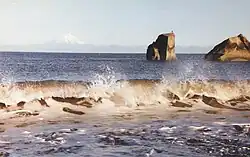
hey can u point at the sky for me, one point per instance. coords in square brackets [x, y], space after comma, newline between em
[122, 22]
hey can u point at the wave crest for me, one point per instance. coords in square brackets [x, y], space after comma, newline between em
[132, 91]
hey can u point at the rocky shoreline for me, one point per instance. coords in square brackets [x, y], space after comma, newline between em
[66, 109]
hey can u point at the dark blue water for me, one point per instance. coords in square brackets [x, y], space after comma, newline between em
[75, 66]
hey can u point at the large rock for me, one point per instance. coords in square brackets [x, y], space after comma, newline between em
[163, 48]
[232, 49]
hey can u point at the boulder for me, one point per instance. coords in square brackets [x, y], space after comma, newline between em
[235, 48]
[69, 110]
[213, 102]
[180, 104]
[163, 48]
[21, 104]
[43, 102]
[82, 101]
[2, 105]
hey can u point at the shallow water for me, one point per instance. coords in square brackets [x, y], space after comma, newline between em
[182, 135]
[135, 117]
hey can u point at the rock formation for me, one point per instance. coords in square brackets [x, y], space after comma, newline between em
[235, 48]
[2, 105]
[163, 48]
[69, 110]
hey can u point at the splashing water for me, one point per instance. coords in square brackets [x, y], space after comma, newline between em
[106, 79]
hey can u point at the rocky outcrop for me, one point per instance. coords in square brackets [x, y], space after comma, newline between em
[83, 101]
[163, 48]
[180, 104]
[69, 110]
[235, 48]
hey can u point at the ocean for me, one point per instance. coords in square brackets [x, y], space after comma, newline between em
[104, 104]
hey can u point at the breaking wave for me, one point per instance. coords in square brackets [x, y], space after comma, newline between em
[107, 93]
[130, 91]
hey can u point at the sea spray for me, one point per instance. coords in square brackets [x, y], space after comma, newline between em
[127, 93]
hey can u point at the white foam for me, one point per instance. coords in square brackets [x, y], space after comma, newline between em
[26, 132]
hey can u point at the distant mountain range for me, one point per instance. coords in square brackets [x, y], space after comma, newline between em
[87, 48]
[70, 43]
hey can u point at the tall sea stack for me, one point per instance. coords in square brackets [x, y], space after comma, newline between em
[163, 49]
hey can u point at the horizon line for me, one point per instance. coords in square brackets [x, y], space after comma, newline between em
[99, 45]
[80, 52]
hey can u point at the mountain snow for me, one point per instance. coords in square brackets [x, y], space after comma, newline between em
[71, 39]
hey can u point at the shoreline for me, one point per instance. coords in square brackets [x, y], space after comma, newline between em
[125, 114]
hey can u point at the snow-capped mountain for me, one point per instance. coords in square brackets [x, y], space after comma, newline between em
[70, 39]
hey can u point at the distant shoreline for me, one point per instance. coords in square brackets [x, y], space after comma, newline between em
[80, 52]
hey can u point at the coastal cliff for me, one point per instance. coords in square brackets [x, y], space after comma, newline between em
[163, 48]
[235, 48]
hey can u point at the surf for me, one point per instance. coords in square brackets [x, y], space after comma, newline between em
[126, 93]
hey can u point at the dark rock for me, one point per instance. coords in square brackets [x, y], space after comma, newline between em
[21, 104]
[171, 96]
[3, 105]
[66, 109]
[163, 48]
[213, 102]
[52, 136]
[210, 111]
[238, 128]
[233, 103]
[53, 122]
[83, 101]
[99, 100]
[221, 118]
[195, 101]
[43, 102]
[73, 129]
[180, 104]
[232, 49]
[4, 154]
[240, 99]
[183, 111]
[193, 96]
[35, 113]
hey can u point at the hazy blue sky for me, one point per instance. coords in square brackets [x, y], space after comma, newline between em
[125, 22]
